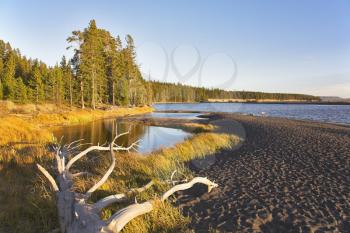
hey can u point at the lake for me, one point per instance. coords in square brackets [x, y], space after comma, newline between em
[324, 113]
[101, 131]
[189, 116]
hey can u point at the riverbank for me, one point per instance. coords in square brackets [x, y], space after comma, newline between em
[23, 124]
[287, 176]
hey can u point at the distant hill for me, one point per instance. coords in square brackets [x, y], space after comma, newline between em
[334, 99]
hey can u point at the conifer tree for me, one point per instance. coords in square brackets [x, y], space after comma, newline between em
[78, 38]
[9, 81]
[21, 91]
[67, 80]
[91, 60]
[36, 84]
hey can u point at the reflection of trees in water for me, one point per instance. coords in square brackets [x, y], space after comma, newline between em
[136, 132]
[101, 131]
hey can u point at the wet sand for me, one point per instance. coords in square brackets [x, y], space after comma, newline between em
[287, 176]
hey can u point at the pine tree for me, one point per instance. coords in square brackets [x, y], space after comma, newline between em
[91, 61]
[67, 80]
[59, 85]
[36, 84]
[114, 67]
[9, 81]
[21, 91]
[78, 38]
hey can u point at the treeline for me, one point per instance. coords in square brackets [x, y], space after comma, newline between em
[169, 92]
[102, 71]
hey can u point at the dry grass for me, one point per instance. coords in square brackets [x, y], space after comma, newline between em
[8, 107]
[198, 127]
[187, 125]
[15, 130]
[81, 116]
[26, 205]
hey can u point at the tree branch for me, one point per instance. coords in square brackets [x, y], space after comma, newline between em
[49, 177]
[81, 174]
[118, 220]
[83, 153]
[106, 175]
[117, 198]
[179, 187]
[122, 197]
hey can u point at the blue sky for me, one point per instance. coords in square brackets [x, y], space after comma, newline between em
[275, 46]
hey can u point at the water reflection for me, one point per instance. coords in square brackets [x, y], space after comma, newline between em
[101, 131]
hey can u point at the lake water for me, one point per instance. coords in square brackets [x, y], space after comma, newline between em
[101, 131]
[325, 113]
[190, 116]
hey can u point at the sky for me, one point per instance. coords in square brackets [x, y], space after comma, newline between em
[273, 46]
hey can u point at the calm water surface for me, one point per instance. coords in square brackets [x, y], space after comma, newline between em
[174, 115]
[325, 113]
[101, 131]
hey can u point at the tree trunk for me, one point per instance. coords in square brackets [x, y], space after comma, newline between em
[70, 91]
[113, 98]
[93, 91]
[82, 94]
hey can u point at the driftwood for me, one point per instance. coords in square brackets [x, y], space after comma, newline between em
[77, 215]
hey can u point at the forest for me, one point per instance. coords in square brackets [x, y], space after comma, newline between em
[103, 71]
[169, 92]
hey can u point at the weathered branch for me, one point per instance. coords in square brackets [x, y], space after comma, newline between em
[172, 181]
[179, 187]
[141, 189]
[105, 176]
[118, 220]
[118, 198]
[83, 153]
[49, 177]
[81, 174]
[132, 146]
[74, 142]
[172, 175]
[99, 148]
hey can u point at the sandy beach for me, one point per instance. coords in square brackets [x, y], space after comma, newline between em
[287, 176]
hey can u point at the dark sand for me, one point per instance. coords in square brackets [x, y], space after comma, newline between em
[288, 176]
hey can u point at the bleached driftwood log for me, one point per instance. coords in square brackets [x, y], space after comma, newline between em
[77, 215]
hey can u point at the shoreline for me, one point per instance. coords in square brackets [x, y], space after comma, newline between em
[277, 180]
[260, 102]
